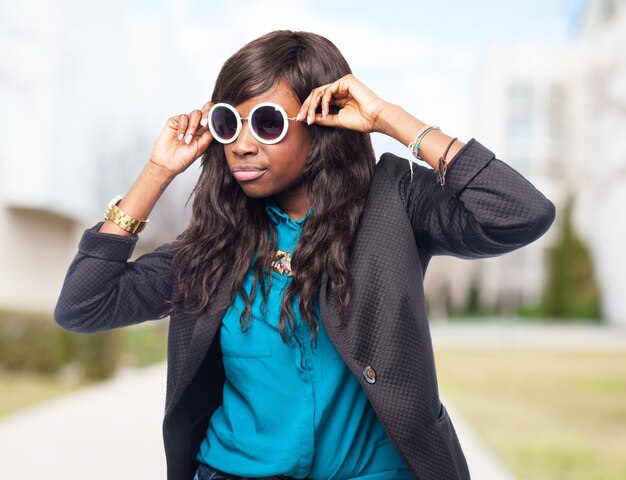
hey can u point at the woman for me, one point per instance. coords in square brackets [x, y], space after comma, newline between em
[299, 344]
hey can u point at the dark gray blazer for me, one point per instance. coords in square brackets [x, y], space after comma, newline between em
[486, 209]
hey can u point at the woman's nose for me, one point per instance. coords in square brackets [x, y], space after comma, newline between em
[245, 143]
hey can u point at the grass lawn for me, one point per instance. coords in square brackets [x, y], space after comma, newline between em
[547, 414]
[21, 390]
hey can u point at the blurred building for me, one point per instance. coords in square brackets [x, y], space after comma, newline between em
[521, 114]
[556, 112]
[602, 182]
[79, 117]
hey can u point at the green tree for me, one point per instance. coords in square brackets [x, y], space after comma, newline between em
[571, 290]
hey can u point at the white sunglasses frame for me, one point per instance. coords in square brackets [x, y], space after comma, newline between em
[240, 120]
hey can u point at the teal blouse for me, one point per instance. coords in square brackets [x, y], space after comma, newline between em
[292, 409]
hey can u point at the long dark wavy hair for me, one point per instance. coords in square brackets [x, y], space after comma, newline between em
[227, 227]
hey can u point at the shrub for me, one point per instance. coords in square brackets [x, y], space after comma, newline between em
[34, 342]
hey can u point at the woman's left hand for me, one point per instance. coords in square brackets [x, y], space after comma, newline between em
[359, 106]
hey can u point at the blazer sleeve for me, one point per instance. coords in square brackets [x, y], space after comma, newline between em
[486, 208]
[103, 290]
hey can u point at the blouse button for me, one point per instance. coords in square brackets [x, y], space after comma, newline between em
[370, 374]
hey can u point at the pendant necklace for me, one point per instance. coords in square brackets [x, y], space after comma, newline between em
[281, 260]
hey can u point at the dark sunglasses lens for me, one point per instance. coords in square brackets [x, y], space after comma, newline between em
[224, 122]
[268, 123]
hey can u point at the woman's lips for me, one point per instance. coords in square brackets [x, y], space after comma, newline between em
[245, 173]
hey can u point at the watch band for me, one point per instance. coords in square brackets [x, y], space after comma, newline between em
[114, 214]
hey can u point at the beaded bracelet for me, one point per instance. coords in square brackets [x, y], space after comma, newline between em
[414, 146]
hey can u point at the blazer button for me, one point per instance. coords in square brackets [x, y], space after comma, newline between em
[370, 374]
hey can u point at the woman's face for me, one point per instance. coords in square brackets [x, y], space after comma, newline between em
[280, 164]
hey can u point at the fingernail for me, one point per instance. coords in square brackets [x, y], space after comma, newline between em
[180, 136]
[308, 119]
[323, 114]
[188, 139]
[204, 121]
[298, 117]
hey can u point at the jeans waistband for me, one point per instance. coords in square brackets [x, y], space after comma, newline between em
[207, 472]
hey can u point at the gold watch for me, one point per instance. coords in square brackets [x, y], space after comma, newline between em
[121, 219]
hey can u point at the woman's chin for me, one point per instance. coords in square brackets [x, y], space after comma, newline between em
[253, 191]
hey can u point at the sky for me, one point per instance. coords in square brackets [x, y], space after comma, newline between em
[452, 21]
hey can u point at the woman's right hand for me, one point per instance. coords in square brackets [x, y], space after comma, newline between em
[182, 141]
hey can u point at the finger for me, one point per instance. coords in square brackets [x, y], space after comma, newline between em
[194, 121]
[301, 116]
[315, 101]
[309, 102]
[316, 96]
[330, 120]
[204, 140]
[327, 96]
[205, 113]
[183, 121]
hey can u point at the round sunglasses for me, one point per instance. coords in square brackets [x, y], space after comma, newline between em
[267, 121]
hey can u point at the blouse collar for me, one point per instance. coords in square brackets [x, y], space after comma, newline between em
[277, 214]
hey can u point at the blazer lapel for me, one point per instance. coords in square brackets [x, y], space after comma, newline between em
[203, 334]
[360, 264]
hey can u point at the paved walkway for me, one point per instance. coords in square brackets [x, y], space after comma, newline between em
[108, 431]
[113, 430]
[513, 334]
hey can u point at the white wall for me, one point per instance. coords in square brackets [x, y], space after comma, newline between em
[35, 251]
